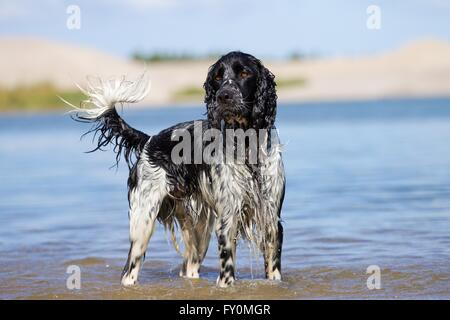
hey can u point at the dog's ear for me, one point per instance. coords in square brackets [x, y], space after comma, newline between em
[265, 108]
[209, 93]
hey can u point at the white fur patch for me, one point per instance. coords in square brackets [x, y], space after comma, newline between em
[105, 94]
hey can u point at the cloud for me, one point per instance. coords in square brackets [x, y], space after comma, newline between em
[12, 9]
[152, 4]
[442, 3]
[19, 9]
[439, 4]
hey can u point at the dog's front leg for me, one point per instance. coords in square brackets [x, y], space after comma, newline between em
[228, 203]
[226, 236]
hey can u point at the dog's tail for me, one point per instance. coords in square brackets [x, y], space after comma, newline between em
[100, 109]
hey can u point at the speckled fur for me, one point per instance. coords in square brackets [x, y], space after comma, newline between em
[233, 199]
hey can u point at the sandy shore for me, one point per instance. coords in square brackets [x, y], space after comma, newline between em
[418, 69]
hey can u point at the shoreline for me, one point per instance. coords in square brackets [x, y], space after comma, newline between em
[189, 105]
[417, 69]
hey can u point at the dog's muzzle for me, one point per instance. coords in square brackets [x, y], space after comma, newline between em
[230, 109]
[228, 94]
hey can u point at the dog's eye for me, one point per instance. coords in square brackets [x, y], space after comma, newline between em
[244, 74]
[218, 77]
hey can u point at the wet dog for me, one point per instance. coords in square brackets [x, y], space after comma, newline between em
[233, 198]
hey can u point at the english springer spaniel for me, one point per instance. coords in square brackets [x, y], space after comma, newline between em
[236, 199]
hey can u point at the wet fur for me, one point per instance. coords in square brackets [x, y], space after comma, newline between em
[234, 200]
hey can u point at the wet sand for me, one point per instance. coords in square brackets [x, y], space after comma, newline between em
[159, 280]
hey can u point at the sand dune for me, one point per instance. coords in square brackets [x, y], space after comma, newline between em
[418, 69]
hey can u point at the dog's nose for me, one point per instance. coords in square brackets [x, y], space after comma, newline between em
[224, 96]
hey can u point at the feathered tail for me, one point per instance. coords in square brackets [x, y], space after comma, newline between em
[100, 109]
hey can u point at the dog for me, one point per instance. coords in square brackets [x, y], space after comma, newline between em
[236, 199]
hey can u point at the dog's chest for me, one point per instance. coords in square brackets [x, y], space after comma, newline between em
[232, 186]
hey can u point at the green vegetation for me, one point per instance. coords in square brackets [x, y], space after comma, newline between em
[196, 93]
[189, 94]
[296, 56]
[167, 56]
[37, 97]
[45, 96]
[290, 82]
[300, 56]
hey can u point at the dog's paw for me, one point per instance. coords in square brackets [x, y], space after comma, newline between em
[225, 282]
[274, 275]
[190, 274]
[129, 281]
[190, 270]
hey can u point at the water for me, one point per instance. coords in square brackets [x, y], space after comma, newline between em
[368, 184]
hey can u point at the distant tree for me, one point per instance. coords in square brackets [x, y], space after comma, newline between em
[160, 56]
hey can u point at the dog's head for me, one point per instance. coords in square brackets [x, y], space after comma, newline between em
[240, 92]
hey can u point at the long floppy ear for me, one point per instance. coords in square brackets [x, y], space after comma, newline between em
[209, 94]
[265, 108]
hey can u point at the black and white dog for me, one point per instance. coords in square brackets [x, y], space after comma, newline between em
[236, 199]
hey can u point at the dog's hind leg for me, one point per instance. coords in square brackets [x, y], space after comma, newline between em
[145, 201]
[272, 254]
[196, 237]
[273, 244]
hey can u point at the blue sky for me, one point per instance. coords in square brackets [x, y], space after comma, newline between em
[264, 28]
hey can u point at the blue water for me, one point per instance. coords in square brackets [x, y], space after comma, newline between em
[368, 183]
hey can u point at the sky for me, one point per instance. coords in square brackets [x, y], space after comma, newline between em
[273, 29]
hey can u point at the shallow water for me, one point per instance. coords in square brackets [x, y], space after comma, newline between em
[368, 184]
